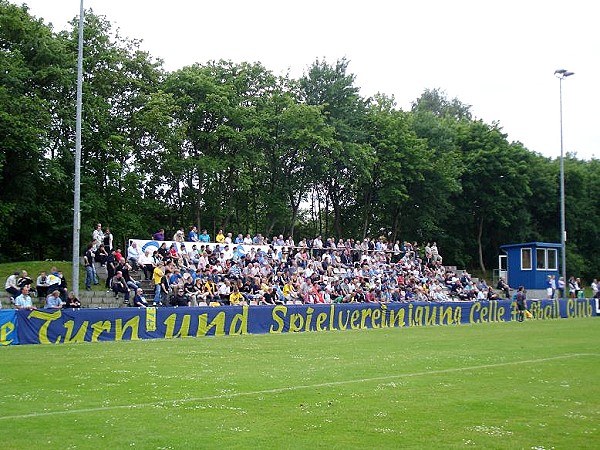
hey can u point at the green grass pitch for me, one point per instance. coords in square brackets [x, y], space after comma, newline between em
[532, 385]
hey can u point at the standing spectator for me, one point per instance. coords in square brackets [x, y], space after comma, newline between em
[204, 237]
[23, 300]
[41, 285]
[133, 255]
[97, 236]
[157, 276]
[111, 264]
[179, 235]
[521, 303]
[159, 235]
[108, 239]
[572, 287]
[88, 263]
[561, 287]
[193, 234]
[595, 288]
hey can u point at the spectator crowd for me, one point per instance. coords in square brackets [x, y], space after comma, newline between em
[193, 270]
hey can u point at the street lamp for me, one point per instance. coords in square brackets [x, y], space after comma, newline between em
[77, 174]
[561, 74]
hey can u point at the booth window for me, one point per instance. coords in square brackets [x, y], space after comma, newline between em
[526, 259]
[540, 256]
[546, 259]
[552, 259]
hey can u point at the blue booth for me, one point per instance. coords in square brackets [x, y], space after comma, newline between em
[530, 263]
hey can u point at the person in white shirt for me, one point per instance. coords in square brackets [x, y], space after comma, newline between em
[133, 255]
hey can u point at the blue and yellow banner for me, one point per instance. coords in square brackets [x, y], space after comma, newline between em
[92, 325]
[8, 327]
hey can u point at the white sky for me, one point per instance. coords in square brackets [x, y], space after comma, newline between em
[497, 56]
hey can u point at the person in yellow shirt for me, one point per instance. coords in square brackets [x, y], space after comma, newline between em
[157, 275]
[289, 292]
[220, 237]
[236, 297]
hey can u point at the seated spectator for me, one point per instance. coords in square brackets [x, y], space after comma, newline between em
[11, 286]
[133, 255]
[146, 262]
[180, 299]
[41, 285]
[503, 286]
[23, 300]
[101, 255]
[220, 238]
[119, 286]
[53, 301]
[236, 297]
[24, 280]
[139, 300]
[72, 301]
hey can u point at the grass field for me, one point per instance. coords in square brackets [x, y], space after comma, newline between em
[533, 385]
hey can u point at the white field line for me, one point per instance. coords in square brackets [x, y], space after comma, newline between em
[294, 388]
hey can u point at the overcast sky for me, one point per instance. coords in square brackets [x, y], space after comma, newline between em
[499, 57]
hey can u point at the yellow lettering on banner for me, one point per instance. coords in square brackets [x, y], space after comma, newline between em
[397, 318]
[278, 314]
[133, 324]
[343, 325]
[296, 322]
[354, 319]
[376, 317]
[410, 315]
[384, 315]
[151, 319]
[239, 323]
[430, 315]
[501, 311]
[446, 315]
[418, 316]
[5, 330]
[309, 313]
[331, 316]
[48, 318]
[483, 314]
[364, 314]
[184, 330]
[474, 307]
[218, 323]
[99, 328]
[79, 336]
[321, 318]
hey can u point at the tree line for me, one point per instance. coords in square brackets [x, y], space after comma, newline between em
[231, 145]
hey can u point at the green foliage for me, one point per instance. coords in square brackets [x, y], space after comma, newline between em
[230, 145]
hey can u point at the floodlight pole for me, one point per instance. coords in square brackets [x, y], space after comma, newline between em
[77, 178]
[561, 74]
